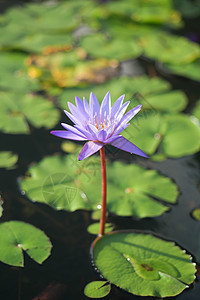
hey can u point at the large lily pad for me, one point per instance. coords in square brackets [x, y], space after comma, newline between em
[170, 49]
[17, 237]
[18, 110]
[154, 11]
[132, 87]
[7, 159]
[97, 45]
[172, 101]
[176, 134]
[13, 73]
[132, 190]
[196, 110]
[143, 264]
[190, 70]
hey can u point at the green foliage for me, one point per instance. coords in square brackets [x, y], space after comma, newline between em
[17, 237]
[174, 135]
[97, 45]
[170, 49]
[18, 110]
[13, 73]
[143, 264]
[8, 159]
[94, 228]
[97, 289]
[132, 190]
[196, 214]
[190, 70]
[133, 87]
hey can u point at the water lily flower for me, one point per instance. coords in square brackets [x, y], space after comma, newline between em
[99, 125]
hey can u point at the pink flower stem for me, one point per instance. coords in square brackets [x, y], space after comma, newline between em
[104, 187]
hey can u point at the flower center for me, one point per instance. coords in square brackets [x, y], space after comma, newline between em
[103, 123]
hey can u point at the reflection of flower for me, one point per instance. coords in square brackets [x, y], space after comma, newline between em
[99, 125]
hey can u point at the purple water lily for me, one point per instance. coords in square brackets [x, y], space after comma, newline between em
[99, 125]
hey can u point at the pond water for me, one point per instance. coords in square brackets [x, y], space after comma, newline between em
[69, 268]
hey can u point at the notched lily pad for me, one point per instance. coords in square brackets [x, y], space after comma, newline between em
[17, 237]
[135, 89]
[143, 264]
[8, 159]
[175, 135]
[97, 45]
[94, 228]
[132, 190]
[17, 110]
[97, 289]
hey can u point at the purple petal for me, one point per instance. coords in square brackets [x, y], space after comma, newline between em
[67, 135]
[89, 148]
[81, 108]
[73, 130]
[120, 128]
[86, 106]
[72, 118]
[131, 113]
[116, 106]
[93, 131]
[101, 135]
[84, 131]
[126, 145]
[80, 115]
[94, 106]
[105, 106]
[122, 110]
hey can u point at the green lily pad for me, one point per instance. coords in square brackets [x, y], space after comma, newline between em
[143, 264]
[170, 49]
[196, 110]
[97, 45]
[132, 190]
[97, 289]
[39, 41]
[94, 228]
[17, 237]
[142, 85]
[175, 134]
[17, 110]
[13, 73]
[172, 101]
[154, 11]
[8, 159]
[196, 214]
[190, 70]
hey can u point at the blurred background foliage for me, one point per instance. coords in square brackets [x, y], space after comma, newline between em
[54, 50]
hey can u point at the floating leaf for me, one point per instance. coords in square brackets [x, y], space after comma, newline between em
[17, 237]
[143, 264]
[94, 228]
[196, 214]
[7, 159]
[141, 86]
[132, 190]
[170, 49]
[97, 289]
[18, 109]
[97, 45]
[196, 110]
[13, 73]
[173, 101]
[190, 70]
[176, 134]
[153, 11]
